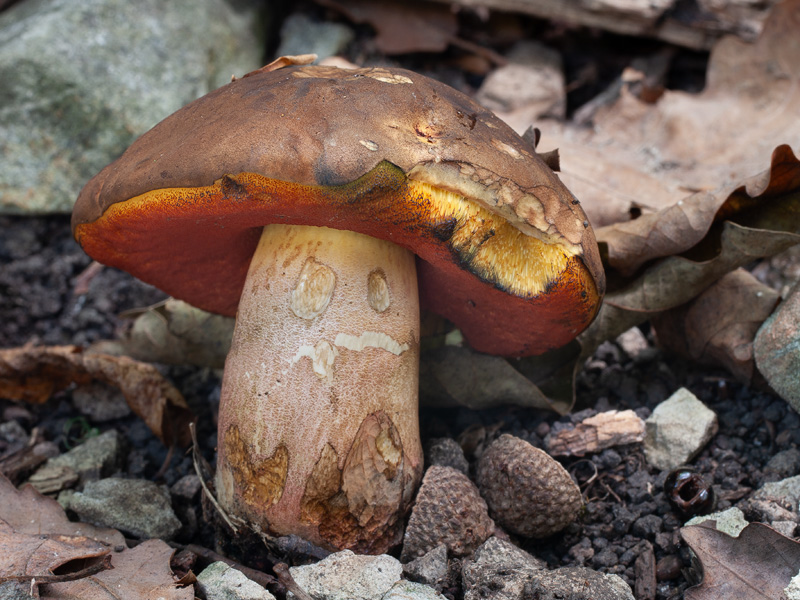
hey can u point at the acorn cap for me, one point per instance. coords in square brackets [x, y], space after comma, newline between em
[504, 250]
[448, 510]
[528, 492]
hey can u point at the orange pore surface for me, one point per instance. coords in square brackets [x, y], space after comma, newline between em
[196, 244]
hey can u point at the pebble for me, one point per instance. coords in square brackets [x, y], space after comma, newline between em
[348, 576]
[668, 567]
[430, 568]
[578, 583]
[777, 349]
[730, 521]
[135, 506]
[219, 581]
[408, 590]
[99, 456]
[677, 430]
[499, 571]
[788, 489]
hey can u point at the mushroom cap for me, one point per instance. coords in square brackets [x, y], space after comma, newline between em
[504, 250]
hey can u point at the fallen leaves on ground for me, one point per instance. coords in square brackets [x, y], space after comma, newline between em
[756, 565]
[176, 333]
[718, 327]
[33, 374]
[37, 539]
[649, 156]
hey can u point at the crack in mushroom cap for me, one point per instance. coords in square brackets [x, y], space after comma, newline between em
[266, 148]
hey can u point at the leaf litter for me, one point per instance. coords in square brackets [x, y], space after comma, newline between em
[37, 539]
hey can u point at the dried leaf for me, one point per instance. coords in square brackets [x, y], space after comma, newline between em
[402, 27]
[33, 374]
[718, 327]
[650, 156]
[28, 512]
[176, 333]
[139, 573]
[36, 538]
[757, 565]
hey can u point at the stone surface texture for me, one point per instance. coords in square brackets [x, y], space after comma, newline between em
[348, 576]
[81, 80]
[219, 581]
[499, 571]
[677, 430]
[135, 506]
[777, 349]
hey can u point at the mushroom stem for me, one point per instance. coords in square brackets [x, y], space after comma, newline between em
[318, 420]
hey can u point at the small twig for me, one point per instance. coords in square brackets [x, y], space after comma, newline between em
[84, 278]
[103, 565]
[286, 580]
[196, 458]
[165, 465]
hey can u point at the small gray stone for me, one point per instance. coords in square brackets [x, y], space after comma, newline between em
[786, 528]
[347, 576]
[446, 452]
[136, 506]
[430, 568]
[730, 521]
[785, 463]
[303, 35]
[220, 581]
[99, 456]
[633, 342]
[578, 583]
[677, 430]
[408, 590]
[81, 80]
[788, 489]
[777, 349]
[100, 402]
[499, 571]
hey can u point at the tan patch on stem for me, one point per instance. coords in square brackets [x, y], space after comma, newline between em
[313, 290]
[260, 483]
[378, 291]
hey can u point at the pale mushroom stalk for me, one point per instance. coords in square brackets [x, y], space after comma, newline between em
[318, 423]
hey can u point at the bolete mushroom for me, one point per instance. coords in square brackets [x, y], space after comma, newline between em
[318, 205]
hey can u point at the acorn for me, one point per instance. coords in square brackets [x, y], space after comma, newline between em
[528, 492]
[448, 510]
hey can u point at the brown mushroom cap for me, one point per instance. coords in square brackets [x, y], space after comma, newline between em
[504, 250]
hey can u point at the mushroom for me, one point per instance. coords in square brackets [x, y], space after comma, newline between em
[319, 206]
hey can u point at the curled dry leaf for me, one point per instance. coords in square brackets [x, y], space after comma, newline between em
[718, 327]
[651, 155]
[756, 565]
[175, 332]
[759, 217]
[36, 538]
[33, 374]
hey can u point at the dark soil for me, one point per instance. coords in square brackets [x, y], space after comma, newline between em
[626, 508]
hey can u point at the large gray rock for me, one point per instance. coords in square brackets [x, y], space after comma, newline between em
[82, 80]
[578, 583]
[135, 506]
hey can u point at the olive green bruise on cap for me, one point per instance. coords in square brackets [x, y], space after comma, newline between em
[504, 251]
